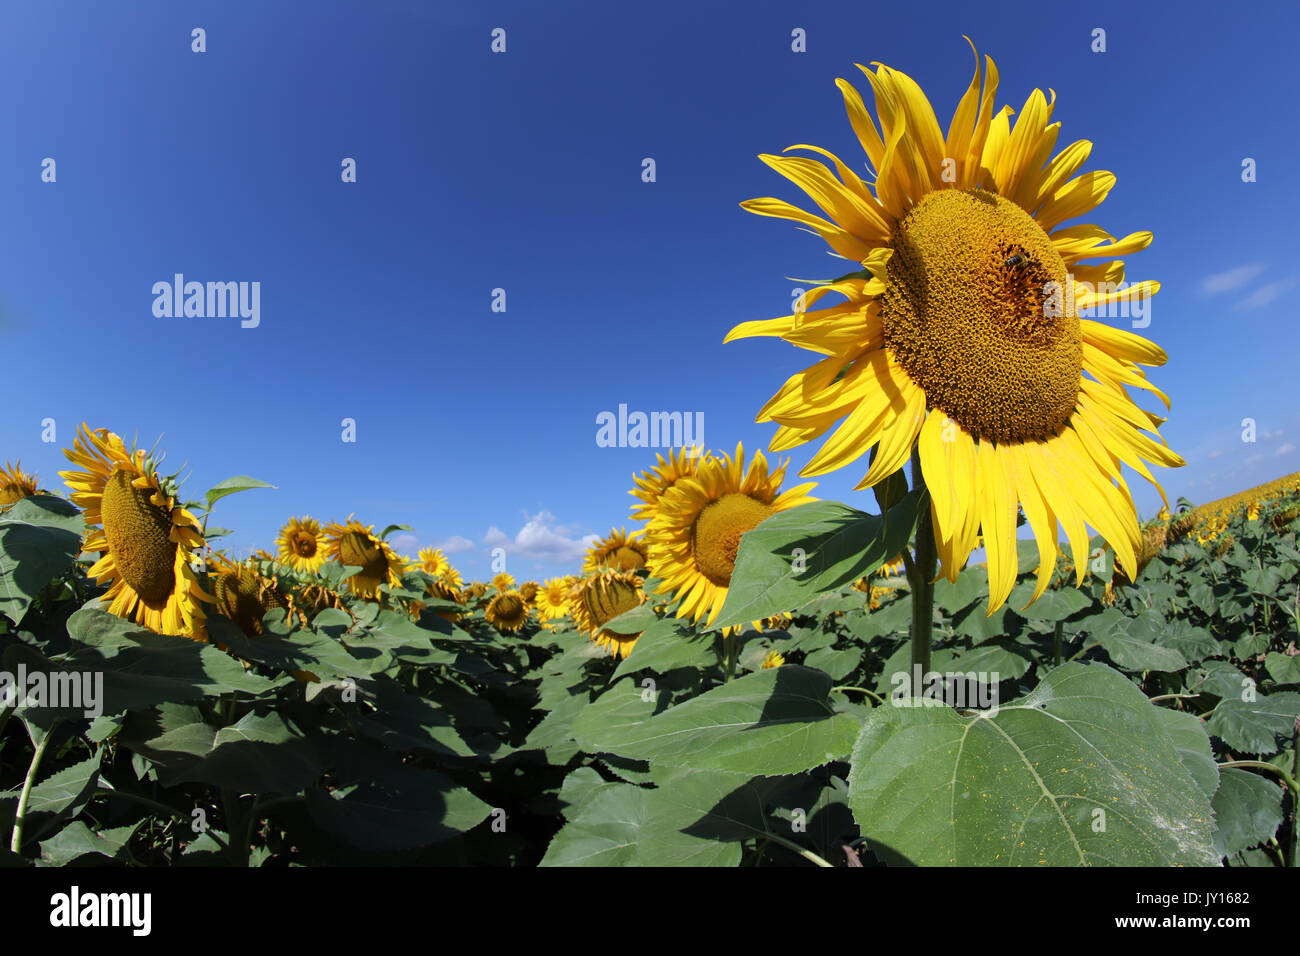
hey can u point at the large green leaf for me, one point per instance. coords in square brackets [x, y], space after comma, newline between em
[796, 555]
[774, 721]
[1255, 725]
[40, 537]
[1077, 772]
[1247, 810]
[667, 643]
[232, 485]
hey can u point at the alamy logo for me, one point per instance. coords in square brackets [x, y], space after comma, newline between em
[75, 908]
[72, 690]
[212, 300]
[653, 430]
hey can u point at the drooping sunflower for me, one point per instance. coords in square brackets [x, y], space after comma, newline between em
[503, 581]
[301, 545]
[15, 484]
[652, 483]
[617, 550]
[507, 611]
[961, 336]
[528, 590]
[145, 540]
[696, 531]
[356, 545]
[553, 599]
[244, 595]
[599, 598]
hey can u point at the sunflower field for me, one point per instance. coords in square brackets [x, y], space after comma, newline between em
[741, 672]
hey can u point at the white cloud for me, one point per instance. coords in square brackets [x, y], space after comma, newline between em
[1230, 279]
[1284, 449]
[541, 538]
[456, 544]
[404, 543]
[1267, 294]
[1216, 453]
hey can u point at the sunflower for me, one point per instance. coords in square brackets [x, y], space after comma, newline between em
[300, 544]
[145, 540]
[15, 484]
[553, 599]
[891, 568]
[773, 659]
[651, 484]
[528, 590]
[598, 599]
[503, 581]
[507, 611]
[244, 595]
[960, 338]
[433, 561]
[696, 530]
[618, 550]
[355, 545]
[451, 577]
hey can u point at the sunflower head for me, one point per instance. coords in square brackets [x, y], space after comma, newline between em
[146, 542]
[503, 581]
[695, 535]
[15, 484]
[301, 545]
[507, 611]
[773, 659]
[528, 590]
[552, 599]
[599, 598]
[355, 545]
[617, 550]
[651, 484]
[961, 337]
[433, 561]
[244, 595]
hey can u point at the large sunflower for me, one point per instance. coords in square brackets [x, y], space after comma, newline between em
[300, 544]
[507, 611]
[145, 540]
[598, 599]
[695, 533]
[618, 550]
[961, 337]
[15, 484]
[356, 545]
[652, 483]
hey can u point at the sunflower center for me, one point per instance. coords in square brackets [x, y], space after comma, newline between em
[606, 599]
[360, 550]
[508, 607]
[977, 310]
[715, 538]
[304, 545]
[626, 559]
[138, 534]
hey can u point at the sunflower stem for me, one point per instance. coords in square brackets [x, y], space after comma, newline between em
[1057, 641]
[733, 651]
[920, 577]
[20, 815]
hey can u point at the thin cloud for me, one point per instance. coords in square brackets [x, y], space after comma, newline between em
[542, 539]
[1231, 278]
[456, 544]
[1284, 449]
[1267, 294]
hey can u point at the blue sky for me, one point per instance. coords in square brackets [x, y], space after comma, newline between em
[522, 171]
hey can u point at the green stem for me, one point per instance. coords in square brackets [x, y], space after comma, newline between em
[20, 815]
[861, 690]
[920, 578]
[796, 848]
[733, 651]
[1058, 640]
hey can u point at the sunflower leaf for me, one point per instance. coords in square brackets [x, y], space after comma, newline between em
[394, 527]
[796, 555]
[230, 486]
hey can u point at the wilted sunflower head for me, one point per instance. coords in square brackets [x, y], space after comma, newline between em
[301, 544]
[507, 611]
[15, 484]
[147, 543]
[695, 534]
[355, 545]
[651, 484]
[244, 595]
[503, 581]
[961, 337]
[599, 598]
[618, 551]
